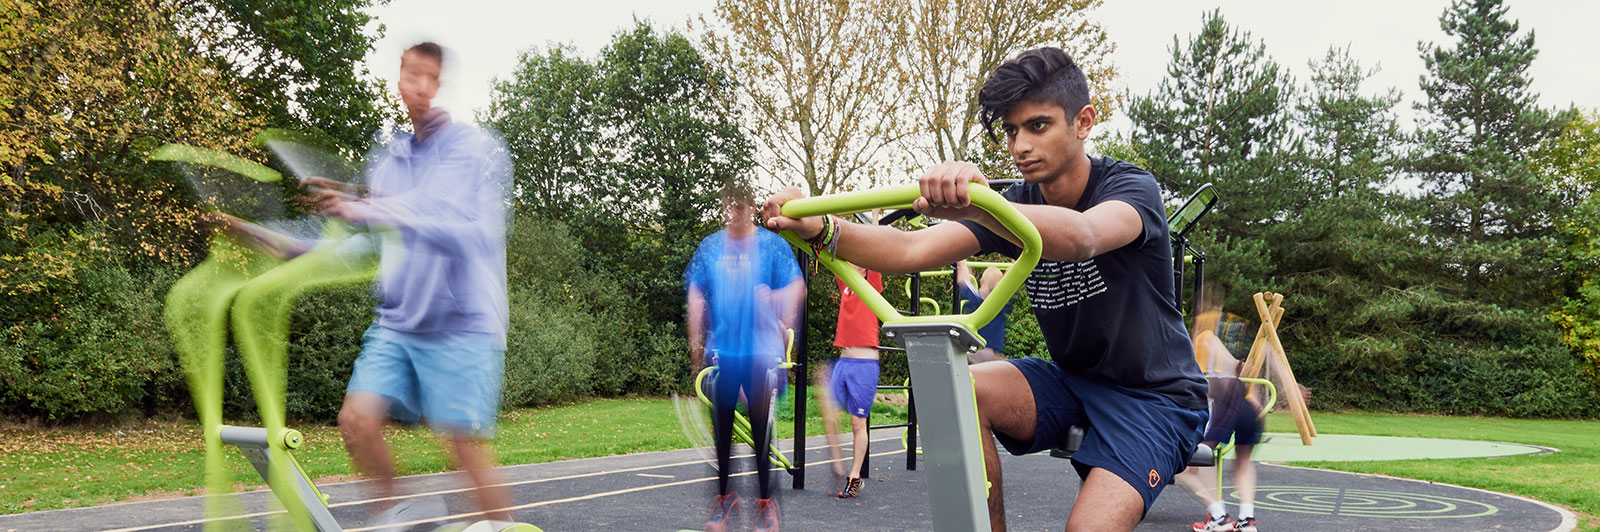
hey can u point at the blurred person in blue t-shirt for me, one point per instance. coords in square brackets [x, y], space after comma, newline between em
[744, 289]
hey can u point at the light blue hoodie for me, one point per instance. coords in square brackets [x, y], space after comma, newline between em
[446, 198]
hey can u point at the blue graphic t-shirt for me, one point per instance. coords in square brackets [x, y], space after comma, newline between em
[1111, 318]
[994, 333]
[737, 277]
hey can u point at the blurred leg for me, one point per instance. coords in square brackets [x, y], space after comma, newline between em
[361, 422]
[858, 427]
[476, 458]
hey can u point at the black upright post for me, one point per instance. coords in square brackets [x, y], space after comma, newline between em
[955, 293]
[1177, 273]
[1200, 275]
[801, 377]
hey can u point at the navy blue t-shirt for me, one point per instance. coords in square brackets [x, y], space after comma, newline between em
[1111, 318]
[994, 333]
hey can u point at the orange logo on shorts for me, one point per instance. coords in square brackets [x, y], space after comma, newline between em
[1155, 478]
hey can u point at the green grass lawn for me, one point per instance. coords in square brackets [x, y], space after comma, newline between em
[43, 469]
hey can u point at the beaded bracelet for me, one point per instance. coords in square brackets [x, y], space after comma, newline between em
[827, 238]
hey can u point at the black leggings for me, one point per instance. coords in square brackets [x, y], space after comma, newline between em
[732, 377]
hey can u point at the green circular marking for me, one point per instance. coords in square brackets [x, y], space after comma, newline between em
[1366, 503]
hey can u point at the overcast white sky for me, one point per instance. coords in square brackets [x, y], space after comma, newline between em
[487, 36]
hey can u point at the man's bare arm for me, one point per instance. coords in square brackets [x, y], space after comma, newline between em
[697, 329]
[260, 238]
[1072, 236]
[1066, 235]
[792, 301]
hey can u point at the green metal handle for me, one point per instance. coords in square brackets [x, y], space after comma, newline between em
[1272, 392]
[901, 197]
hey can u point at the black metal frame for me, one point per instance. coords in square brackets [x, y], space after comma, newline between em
[802, 376]
[1179, 224]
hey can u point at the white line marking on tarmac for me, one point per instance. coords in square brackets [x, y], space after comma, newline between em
[459, 490]
[654, 476]
[459, 517]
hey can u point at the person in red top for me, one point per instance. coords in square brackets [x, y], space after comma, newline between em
[854, 380]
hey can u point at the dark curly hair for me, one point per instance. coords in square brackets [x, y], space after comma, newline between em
[428, 49]
[1044, 75]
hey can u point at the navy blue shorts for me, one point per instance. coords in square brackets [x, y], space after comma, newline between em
[1140, 436]
[855, 384]
[1234, 417]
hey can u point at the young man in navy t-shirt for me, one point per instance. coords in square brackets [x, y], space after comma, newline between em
[1121, 361]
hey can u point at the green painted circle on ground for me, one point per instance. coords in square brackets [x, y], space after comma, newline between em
[1286, 447]
[1319, 500]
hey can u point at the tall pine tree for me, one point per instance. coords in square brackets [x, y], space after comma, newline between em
[1220, 117]
[1478, 342]
[1490, 214]
[1348, 256]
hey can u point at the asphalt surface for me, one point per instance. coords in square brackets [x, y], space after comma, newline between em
[669, 491]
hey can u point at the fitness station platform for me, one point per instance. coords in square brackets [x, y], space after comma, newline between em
[667, 491]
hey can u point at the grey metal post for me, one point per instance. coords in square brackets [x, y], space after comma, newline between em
[253, 442]
[951, 448]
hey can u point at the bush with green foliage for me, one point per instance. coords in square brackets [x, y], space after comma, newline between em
[571, 334]
[102, 350]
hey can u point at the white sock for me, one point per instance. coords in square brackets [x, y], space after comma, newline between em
[1217, 510]
[1247, 510]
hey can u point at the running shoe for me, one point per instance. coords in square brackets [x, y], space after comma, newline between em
[400, 516]
[852, 487]
[766, 515]
[1219, 523]
[723, 508]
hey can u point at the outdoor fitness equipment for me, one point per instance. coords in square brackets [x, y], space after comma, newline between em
[254, 292]
[936, 348]
[741, 424]
[1178, 227]
[1223, 448]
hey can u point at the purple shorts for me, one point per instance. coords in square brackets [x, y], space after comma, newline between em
[855, 384]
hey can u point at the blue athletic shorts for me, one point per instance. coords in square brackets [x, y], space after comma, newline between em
[1234, 416]
[1140, 436]
[449, 379]
[855, 384]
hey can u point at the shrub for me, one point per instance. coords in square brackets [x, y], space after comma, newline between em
[1455, 357]
[101, 349]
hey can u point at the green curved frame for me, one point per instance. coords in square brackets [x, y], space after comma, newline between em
[255, 294]
[901, 197]
[184, 153]
[741, 424]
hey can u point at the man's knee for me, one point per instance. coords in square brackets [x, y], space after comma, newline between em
[1004, 397]
[984, 355]
[360, 414]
